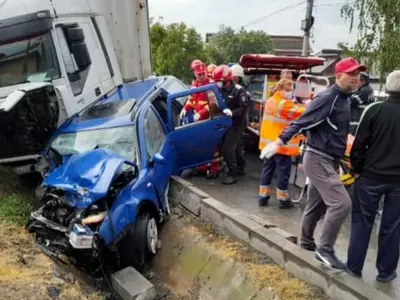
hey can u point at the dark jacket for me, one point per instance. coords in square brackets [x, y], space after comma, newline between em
[376, 149]
[237, 100]
[326, 122]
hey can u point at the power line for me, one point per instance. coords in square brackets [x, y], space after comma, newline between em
[293, 5]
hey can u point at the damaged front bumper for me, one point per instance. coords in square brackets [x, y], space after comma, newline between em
[55, 239]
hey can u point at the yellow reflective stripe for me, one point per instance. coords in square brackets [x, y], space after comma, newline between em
[267, 117]
[279, 108]
[290, 145]
[281, 195]
[264, 191]
[202, 102]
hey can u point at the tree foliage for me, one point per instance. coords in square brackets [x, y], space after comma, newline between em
[227, 45]
[379, 31]
[175, 45]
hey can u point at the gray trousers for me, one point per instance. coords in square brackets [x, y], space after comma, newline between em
[326, 195]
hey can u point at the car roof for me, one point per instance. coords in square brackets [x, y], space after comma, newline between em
[118, 108]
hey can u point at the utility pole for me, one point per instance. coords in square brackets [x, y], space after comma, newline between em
[306, 26]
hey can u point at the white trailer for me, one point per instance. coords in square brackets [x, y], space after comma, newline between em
[56, 58]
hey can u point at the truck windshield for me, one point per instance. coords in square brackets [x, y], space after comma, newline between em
[120, 140]
[29, 60]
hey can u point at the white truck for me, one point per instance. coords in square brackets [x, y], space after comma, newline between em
[56, 58]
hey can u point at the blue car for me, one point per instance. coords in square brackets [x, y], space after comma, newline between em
[106, 189]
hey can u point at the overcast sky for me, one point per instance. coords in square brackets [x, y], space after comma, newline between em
[275, 17]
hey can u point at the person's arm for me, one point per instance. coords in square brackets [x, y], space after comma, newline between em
[316, 113]
[362, 138]
[243, 104]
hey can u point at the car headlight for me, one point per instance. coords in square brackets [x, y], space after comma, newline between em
[81, 237]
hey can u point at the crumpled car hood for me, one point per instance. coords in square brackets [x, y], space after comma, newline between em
[86, 177]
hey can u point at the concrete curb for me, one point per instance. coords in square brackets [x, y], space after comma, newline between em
[273, 242]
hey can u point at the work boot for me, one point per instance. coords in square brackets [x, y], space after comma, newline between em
[263, 201]
[230, 179]
[285, 204]
[389, 278]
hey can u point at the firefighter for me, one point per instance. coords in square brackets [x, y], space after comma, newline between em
[210, 70]
[278, 113]
[198, 104]
[237, 103]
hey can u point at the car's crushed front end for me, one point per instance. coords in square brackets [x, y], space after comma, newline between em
[77, 197]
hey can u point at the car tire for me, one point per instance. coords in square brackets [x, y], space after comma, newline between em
[141, 243]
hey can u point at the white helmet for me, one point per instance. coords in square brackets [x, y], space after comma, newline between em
[237, 70]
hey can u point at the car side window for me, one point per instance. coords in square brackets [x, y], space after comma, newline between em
[154, 132]
[175, 86]
[199, 107]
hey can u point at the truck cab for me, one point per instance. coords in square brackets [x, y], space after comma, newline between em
[56, 58]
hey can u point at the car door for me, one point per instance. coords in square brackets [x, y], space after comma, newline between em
[156, 152]
[196, 142]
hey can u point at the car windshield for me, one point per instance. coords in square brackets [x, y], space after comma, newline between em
[29, 60]
[120, 140]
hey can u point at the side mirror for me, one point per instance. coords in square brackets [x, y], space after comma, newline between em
[76, 39]
[158, 159]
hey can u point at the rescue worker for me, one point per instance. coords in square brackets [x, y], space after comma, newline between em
[327, 123]
[237, 103]
[238, 78]
[198, 104]
[359, 100]
[285, 74]
[279, 111]
[210, 70]
[375, 161]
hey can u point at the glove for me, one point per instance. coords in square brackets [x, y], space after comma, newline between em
[270, 150]
[182, 114]
[196, 117]
[227, 112]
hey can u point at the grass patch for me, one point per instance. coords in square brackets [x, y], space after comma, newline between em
[15, 208]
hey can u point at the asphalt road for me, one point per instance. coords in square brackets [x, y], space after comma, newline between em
[243, 195]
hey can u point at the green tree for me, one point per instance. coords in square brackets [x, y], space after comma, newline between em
[227, 45]
[379, 31]
[173, 47]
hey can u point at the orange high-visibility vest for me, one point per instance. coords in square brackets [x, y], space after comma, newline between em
[278, 113]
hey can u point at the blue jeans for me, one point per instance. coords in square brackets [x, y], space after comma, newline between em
[283, 166]
[366, 198]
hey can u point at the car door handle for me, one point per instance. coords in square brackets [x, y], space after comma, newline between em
[220, 126]
[97, 91]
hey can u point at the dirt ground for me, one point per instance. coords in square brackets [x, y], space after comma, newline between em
[26, 273]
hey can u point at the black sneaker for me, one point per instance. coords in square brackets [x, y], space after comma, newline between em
[285, 204]
[388, 278]
[329, 259]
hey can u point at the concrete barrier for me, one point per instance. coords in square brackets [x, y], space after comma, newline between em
[276, 244]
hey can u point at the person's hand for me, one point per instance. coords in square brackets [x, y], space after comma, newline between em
[182, 114]
[196, 117]
[271, 149]
[227, 112]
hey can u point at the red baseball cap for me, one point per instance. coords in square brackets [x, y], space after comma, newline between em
[348, 65]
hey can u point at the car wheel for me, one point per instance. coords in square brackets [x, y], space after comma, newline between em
[140, 243]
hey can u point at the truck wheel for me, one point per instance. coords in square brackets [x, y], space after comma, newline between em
[141, 243]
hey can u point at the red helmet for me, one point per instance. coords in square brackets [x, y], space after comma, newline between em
[210, 70]
[195, 63]
[200, 69]
[222, 73]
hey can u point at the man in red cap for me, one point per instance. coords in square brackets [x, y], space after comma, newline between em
[326, 122]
